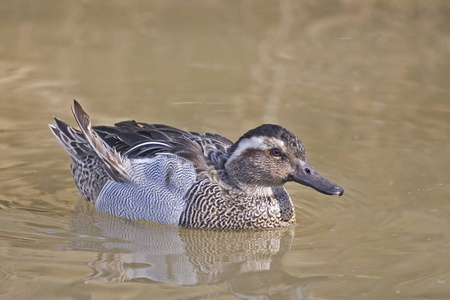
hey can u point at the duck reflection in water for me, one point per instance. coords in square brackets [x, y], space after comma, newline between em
[248, 262]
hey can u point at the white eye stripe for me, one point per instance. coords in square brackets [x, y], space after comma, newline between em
[257, 142]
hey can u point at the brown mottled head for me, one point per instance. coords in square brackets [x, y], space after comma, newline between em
[274, 133]
[270, 156]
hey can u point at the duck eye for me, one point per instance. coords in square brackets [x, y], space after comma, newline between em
[275, 152]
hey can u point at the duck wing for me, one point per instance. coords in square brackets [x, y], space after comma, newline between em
[141, 140]
[115, 164]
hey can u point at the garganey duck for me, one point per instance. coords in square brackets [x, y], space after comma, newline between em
[163, 174]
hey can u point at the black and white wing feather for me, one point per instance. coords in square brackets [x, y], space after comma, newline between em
[141, 140]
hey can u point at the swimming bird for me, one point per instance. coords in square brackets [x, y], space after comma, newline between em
[162, 174]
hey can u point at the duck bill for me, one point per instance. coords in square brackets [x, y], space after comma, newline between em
[306, 175]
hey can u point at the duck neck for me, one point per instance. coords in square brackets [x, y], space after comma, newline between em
[241, 174]
[259, 191]
[248, 188]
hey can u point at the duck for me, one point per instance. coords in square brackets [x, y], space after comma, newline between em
[162, 174]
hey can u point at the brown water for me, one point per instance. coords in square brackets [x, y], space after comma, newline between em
[364, 84]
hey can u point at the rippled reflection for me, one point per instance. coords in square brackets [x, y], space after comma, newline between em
[249, 262]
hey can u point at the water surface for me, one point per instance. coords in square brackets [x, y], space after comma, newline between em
[364, 84]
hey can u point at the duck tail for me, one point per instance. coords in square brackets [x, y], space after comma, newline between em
[71, 140]
[115, 164]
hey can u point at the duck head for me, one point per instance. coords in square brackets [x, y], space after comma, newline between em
[270, 156]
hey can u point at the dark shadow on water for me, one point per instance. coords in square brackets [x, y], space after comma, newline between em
[248, 262]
